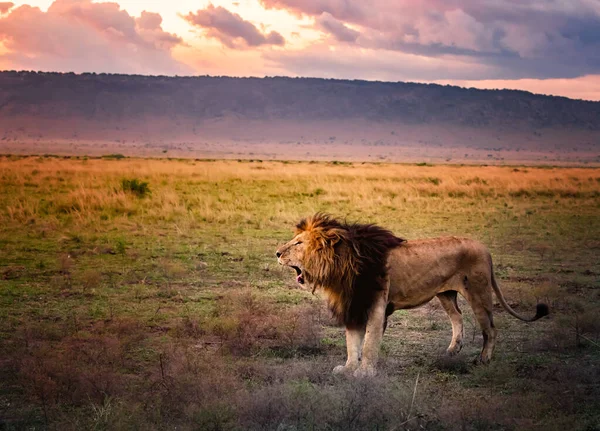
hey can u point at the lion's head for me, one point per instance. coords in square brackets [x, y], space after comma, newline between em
[347, 260]
[319, 252]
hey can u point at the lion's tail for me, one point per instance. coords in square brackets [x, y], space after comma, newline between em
[540, 311]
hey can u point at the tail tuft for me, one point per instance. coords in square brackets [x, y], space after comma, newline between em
[541, 310]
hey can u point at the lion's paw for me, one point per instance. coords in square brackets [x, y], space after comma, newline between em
[453, 350]
[481, 360]
[340, 369]
[344, 369]
[363, 372]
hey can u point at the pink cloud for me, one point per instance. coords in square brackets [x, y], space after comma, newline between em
[327, 23]
[5, 7]
[231, 29]
[81, 36]
[348, 10]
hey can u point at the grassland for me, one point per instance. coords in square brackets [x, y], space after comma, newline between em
[124, 306]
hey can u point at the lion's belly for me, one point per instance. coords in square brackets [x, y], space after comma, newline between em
[407, 295]
[421, 269]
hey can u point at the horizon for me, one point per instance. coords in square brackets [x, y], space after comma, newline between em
[297, 77]
[538, 47]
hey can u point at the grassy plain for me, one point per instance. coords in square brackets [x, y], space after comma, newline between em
[164, 308]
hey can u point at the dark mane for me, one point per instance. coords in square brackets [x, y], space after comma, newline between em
[362, 247]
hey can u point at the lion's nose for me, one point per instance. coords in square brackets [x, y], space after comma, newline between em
[278, 253]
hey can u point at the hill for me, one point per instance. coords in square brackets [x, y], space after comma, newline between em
[289, 117]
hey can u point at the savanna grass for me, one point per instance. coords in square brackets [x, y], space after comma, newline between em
[122, 312]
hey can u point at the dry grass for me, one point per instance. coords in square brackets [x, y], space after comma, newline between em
[168, 310]
[94, 185]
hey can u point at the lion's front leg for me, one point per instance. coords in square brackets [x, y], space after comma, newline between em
[354, 341]
[373, 335]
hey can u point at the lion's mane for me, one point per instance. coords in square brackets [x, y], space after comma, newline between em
[349, 261]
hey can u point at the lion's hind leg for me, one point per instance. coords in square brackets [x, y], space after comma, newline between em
[478, 293]
[449, 302]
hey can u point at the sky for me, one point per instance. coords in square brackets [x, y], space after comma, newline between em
[542, 46]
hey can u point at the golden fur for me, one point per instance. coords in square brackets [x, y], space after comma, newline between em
[348, 261]
[367, 273]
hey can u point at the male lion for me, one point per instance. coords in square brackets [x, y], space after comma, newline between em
[367, 273]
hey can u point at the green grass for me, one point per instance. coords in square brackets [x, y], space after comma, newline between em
[171, 311]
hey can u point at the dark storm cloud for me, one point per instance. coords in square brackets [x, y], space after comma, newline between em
[516, 39]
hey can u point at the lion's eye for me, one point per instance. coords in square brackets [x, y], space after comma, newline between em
[299, 242]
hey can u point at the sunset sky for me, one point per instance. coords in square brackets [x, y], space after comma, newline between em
[543, 46]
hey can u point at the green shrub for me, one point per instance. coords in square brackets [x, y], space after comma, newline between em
[135, 186]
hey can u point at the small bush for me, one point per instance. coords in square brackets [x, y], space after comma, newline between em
[135, 186]
[246, 326]
[120, 245]
[91, 279]
[477, 180]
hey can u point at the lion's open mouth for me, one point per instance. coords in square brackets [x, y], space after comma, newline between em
[299, 276]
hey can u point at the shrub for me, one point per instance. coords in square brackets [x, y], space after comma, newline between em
[246, 326]
[120, 245]
[91, 279]
[347, 405]
[135, 186]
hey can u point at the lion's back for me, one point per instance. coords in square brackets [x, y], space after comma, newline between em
[439, 253]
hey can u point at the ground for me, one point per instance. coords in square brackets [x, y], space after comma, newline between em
[145, 294]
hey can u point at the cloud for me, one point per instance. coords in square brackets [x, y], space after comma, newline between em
[346, 62]
[149, 27]
[81, 36]
[327, 23]
[516, 39]
[5, 7]
[347, 10]
[231, 29]
[454, 40]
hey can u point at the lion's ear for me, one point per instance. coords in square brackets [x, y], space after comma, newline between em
[333, 236]
[332, 241]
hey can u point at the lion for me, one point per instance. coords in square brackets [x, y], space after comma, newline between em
[367, 273]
